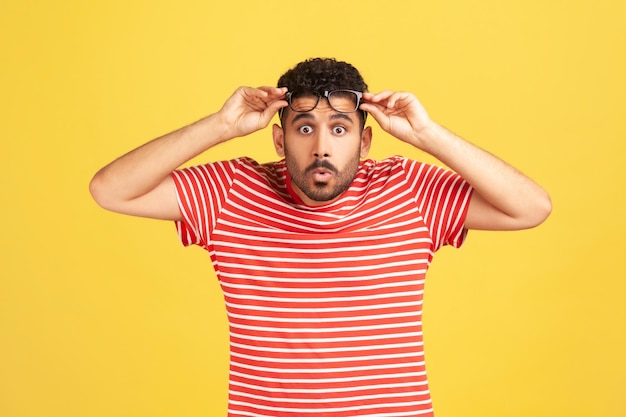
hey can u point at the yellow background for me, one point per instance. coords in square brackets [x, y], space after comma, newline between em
[103, 315]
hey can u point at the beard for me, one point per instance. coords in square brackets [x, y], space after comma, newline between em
[322, 190]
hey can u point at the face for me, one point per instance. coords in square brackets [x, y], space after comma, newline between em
[322, 149]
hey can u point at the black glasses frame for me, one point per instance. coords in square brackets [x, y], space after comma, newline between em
[326, 95]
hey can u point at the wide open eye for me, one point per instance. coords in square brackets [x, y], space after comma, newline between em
[339, 130]
[305, 130]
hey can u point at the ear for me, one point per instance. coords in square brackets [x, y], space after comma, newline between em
[366, 141]
[279, 140]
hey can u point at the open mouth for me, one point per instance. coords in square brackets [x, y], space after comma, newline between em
[321, 171]
[321, 175]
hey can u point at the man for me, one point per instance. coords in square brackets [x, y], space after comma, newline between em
[322, 255]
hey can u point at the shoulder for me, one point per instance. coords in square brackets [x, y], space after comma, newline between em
[236, 166]
[388, 166]
[269, 170]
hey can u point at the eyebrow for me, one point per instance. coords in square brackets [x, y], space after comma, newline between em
[334, 116]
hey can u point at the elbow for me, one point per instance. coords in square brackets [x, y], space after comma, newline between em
[542, 208]
[95, 189]
[99, 191]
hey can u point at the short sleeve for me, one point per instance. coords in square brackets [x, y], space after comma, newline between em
[443, 198]
[201, 192]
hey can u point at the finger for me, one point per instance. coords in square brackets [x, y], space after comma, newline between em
[397, 98]
[267, 97]
[378, 97]
[252, 92]
[389, 100]
[274, 92]
[276, 105]
[372, 107]
[270, 110]
[258, 99]
[404, 99]
[377, 112]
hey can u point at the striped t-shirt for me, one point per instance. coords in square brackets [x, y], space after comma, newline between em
[324, 303]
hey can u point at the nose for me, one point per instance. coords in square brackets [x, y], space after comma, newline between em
[321, 148]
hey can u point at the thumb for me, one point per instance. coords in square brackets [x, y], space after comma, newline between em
[264, 117]
[376, 111]
[272, 109]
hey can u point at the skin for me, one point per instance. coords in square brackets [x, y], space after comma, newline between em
[322, 149]
[503, 198]
[139, 182]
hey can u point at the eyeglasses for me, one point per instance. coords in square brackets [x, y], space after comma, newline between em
[342, 101]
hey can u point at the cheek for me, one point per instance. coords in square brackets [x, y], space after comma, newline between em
[300, 147]
[293, 154]
[349, 151]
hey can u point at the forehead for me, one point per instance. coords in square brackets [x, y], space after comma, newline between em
[335, 96]
[305, 101]
[322, 113]
[317, 106]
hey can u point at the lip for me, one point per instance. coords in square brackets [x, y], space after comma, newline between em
[321, 175]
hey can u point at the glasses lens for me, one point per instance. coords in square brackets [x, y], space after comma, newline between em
[303, 101]
[344, 101]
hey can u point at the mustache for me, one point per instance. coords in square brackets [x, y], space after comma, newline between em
[321, 164]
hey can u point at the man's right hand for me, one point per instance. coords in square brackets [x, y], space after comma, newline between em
[250, 109]
[139, 182]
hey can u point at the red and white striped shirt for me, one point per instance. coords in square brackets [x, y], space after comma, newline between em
[324, 303]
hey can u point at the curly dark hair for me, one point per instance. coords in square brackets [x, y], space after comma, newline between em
[323, 74]
[320, 74]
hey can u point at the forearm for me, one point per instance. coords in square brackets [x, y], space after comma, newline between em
[139, 182]
[504, 197]
[143, 169]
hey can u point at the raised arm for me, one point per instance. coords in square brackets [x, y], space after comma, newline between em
[503, 199]
[139, 182]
